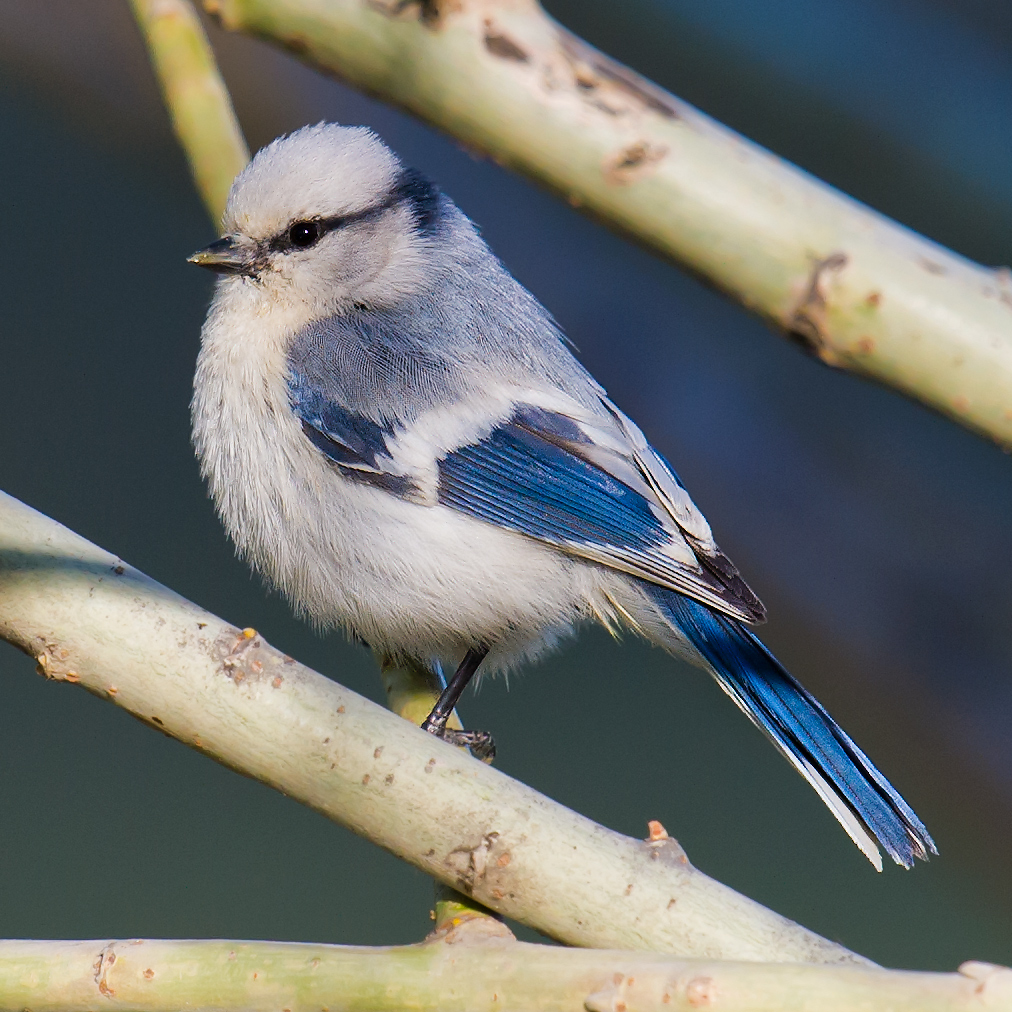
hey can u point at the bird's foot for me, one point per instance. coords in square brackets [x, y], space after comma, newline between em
[478, 743]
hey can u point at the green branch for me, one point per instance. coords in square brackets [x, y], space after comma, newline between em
[196, 97]
[465, 969]
[88, 618]
[858, 290]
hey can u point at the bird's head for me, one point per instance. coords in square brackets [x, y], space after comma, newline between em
[328, 217]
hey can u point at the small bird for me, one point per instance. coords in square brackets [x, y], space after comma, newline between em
[397, 436]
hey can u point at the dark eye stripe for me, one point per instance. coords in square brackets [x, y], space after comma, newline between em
[411, 187]
[423, 197]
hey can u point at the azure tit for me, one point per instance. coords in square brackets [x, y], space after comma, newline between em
[396, 436]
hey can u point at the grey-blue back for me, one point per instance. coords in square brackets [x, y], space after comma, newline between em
[474, 325]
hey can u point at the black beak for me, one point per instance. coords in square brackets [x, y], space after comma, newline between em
[224, 256]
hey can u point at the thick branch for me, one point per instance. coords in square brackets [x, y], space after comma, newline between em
[860, 291]
[89, 618]
[195, 95]
[458, 970]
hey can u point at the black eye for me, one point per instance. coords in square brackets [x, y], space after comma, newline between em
[303, 234]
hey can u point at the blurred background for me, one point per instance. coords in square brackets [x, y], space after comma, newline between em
[878, 534]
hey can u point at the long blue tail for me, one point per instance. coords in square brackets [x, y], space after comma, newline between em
[864, 802]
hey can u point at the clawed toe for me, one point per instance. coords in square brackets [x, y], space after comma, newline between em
[478, 743]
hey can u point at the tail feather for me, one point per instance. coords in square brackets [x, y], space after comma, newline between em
[865, 803]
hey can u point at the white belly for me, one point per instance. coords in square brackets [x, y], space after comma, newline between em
[407, 578]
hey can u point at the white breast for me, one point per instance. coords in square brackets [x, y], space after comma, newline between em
[410, 579]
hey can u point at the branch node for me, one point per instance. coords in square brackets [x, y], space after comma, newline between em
[993, 981]
[469, 863]
[105, 961]
[807, 322]
[701, 992]
[664, 847]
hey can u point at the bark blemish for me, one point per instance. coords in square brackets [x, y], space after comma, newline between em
[106, 959]
[470, 862]
[592, 70]
[244, 654]
[633, 162]
[931, 266]
[502, 46]
[604, 1001]
[430, 12]
[1003, 277]
[51, 662]
[806, 323]
[700, 992]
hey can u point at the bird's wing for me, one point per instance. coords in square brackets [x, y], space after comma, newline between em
[591, 485]
[354, 444]
[538, 463]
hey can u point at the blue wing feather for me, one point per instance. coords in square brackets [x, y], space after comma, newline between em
[356, 445]
[540, 490]
[536, 474]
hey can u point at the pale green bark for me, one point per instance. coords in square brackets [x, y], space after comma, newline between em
[88, 618]
[456, 971]
[862, 292]
[195, 95]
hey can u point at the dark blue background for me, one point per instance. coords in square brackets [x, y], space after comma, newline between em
[877, 533]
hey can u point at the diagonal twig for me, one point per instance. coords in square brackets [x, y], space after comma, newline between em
[856, 289]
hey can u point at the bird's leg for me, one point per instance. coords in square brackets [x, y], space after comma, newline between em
[435, 722]
[479, 742]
